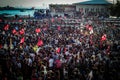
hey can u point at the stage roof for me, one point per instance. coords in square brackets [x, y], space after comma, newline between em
[93, 2]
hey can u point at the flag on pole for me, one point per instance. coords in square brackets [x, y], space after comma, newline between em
[14, 31]
[37, 30]
[40, 42]
[104, 37]
[35, 48]
[22, 31]
[6, 27]
[22, 40]
[90, 28]
[58, 50]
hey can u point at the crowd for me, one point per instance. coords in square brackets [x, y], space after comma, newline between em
[34, 50]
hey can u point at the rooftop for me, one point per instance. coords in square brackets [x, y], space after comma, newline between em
[94, 2]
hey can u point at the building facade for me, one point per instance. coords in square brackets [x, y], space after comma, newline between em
[93, 8]
[87, 8]
[62, 10]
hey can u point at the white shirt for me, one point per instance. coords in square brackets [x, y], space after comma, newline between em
[90, 75]
[51, 61]
[66, 53]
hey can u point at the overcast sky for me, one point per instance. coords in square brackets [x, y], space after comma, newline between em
[35, 3]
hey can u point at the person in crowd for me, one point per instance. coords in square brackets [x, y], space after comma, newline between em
[35, 50]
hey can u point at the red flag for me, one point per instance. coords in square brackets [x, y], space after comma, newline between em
[6, 27]
[22, 31]
[103, 38]
[59, 28]
[14, 31]
[58, 50]
[40, 42]
[90, 28]
[37, 30]
[22, 40]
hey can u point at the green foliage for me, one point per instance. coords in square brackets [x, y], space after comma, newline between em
[115, 9]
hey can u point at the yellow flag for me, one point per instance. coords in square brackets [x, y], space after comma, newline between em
[35, 48]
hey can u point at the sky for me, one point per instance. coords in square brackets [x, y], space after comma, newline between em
[35, 3]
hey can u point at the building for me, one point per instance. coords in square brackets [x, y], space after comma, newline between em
[93, 7]
[62, 10]
[87, 8]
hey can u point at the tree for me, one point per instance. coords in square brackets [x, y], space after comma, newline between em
[115, 9]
